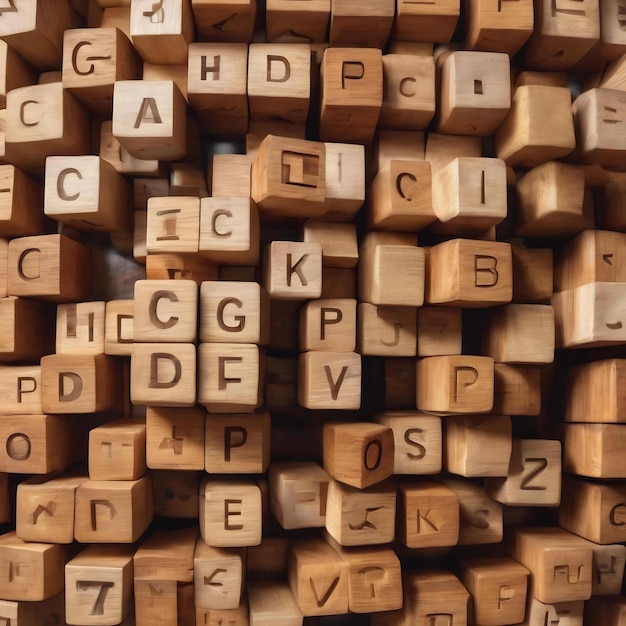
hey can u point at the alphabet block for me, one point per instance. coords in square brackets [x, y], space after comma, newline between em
[149, 119]
[532, 274]
[163, 374]
[534, 475]
[20, 386]
[80, 328]
[31, 571]
[608, 565]
[111, 150]
[592, 450]
[560, 563]
[478, 273]
[20, 204]
[118, 327]
[117, 451]
[49, 267]
[361, 25]
[237, 444]
[433, 22]
[308, 20]
[14, 72]
[272, 603]
[455, 384]
[387, 330]
[224, 20]
[176, 493]
[43, 612]
[41, 120]
[517, 389]
[77, 383]
[99, 585]
[93, 59]
[528, 138]
[438, 331]
[293, 270]
[352, 94]
[329, 380]
[345, 180]
[359, 517]
[45, 508]
[218, 576]
[230, 513]
[338, 241]
[328, 325]
[567, 613]
[113, 511]
[359, 454]
[498, 588]
[173, 225]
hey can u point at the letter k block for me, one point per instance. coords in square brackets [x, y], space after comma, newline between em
[293, 270]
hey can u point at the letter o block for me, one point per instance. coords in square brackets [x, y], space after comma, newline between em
[359, 454]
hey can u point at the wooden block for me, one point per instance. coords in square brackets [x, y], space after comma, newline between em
[517, 389]
[45, 508]
[534, 475]
[345, 180]
[433, 22]
[156, 600]
[175, 438]
[532, 274]
[455, 384]
[231, 175]
[469, 195]
[225, 20]
[165, 311]
[117, 451]
[29, 329]
[293, 270]
[328, 325]
[528, 139]
[237, 444]
[592, 450]
[289, 173]
[180, 266]
[279, 81]
[329, 380]
[442, 149]
[498, 588]
[608, 565]
[230, 377]
[111, 150]
[113, 511]
[113, 17]
[14, 72]
[564, 613]
[34, 571]
[478, 274]
[21, 389]
[613, 75]
[49, 267]
[118, 327]
[93, 59]
[230, 513]
[498, 27]
[163, 374]
[80, 328]
[260, 129]
[149, 119]
[359, 454]
[318, 578]
[306, 20]
[438, 331]
[559, 563]
[352, 94]
[77, 383]
[43, 612]
[99, 585]
[338, 241]
[41, 120]
[564, 32]
[401, 197]
[175, 493]
[240, 615]
[273, 603]
[398, 145]
[386, 330]
[361, 25]
[218, 576]
[359, 517]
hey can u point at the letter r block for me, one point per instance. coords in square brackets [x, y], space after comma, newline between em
[293, 270]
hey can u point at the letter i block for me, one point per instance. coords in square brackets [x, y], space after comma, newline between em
[470, 273]
[49, 267]
[80, 328]
[20, 203]
[150, 119]
[293, 270]
[117, 451]
[426, 22]
[218, 576]
[498, 587]
[99, 582]
[329, 380]
[560, 563]
[230, 513]
[318, 578]
[173, 225]
[113, 511]
[359, 454]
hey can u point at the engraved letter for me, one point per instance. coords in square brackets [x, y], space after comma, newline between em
[271, 58]
[77, 386]
[214, 69]
[231, 442]
[407, 439]
[296, 269]
[228, 513]
[338, 316]
[142, 116]
[154, 303]
[367, 457]
[485, 270]
[240, 319]
[155, 359]
[61, 184]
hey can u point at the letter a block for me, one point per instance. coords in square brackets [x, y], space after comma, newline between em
[293, 270]
[329, 380]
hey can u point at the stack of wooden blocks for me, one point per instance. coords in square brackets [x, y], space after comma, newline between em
[236, 391]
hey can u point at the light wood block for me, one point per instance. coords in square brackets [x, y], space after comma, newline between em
[237, 444]
[559, 562]
[33, 612]
[273, 603]
[230, 175]
[175, 493]
[328, 325]
[49, 267]
[118, 327]
[359, 517]
[352, 94]
[567, 613]
[498, 588]
[173, 225]
[361, 25]
[478, 273]
[113, 511]
[539, 127]
[593, 450]
[93, 59]
[230, 513]
[517, 389]
[438, 331]
[433, 22]
[99, 585]
[608, 564]
[532, 274]
[240, 615]
[293, 270]
[163, 374]
[305, 21]
[157, 599]
[76, 383]
[80, 328]
[45, 508]
[117, 451]
[29, 329]
[338, 241]
[111, 150]
[14, 72]
[20, 386]
[225, 20]
[386, 330]
[345, 180]
[218, 576]
[20, 204]
[455, 384]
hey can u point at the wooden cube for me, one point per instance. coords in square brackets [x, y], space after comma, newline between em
[434, 22]
[608, 564]
[20, 204]
[329, 380]
[438, 331]
[215, 20]
[593, 450]
[173, 224]
[33, 612]
[175, 493]
[20, 386]
[80, 328]
[517, 389]
[15, 71]
[361, 25]
[111, 150]
[345, 180]
[386, 330]
[338, 241]
[328, 325]
[118, 327]
[532, 274]
[568, 613]
[117, 451]
[293, 270]
[272, 602]
[218, 576]
[310, 20]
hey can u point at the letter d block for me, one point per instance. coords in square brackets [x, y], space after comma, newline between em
[293, 270]
[113, 511]
[455, 384]
[358, 454]
[74, 383]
